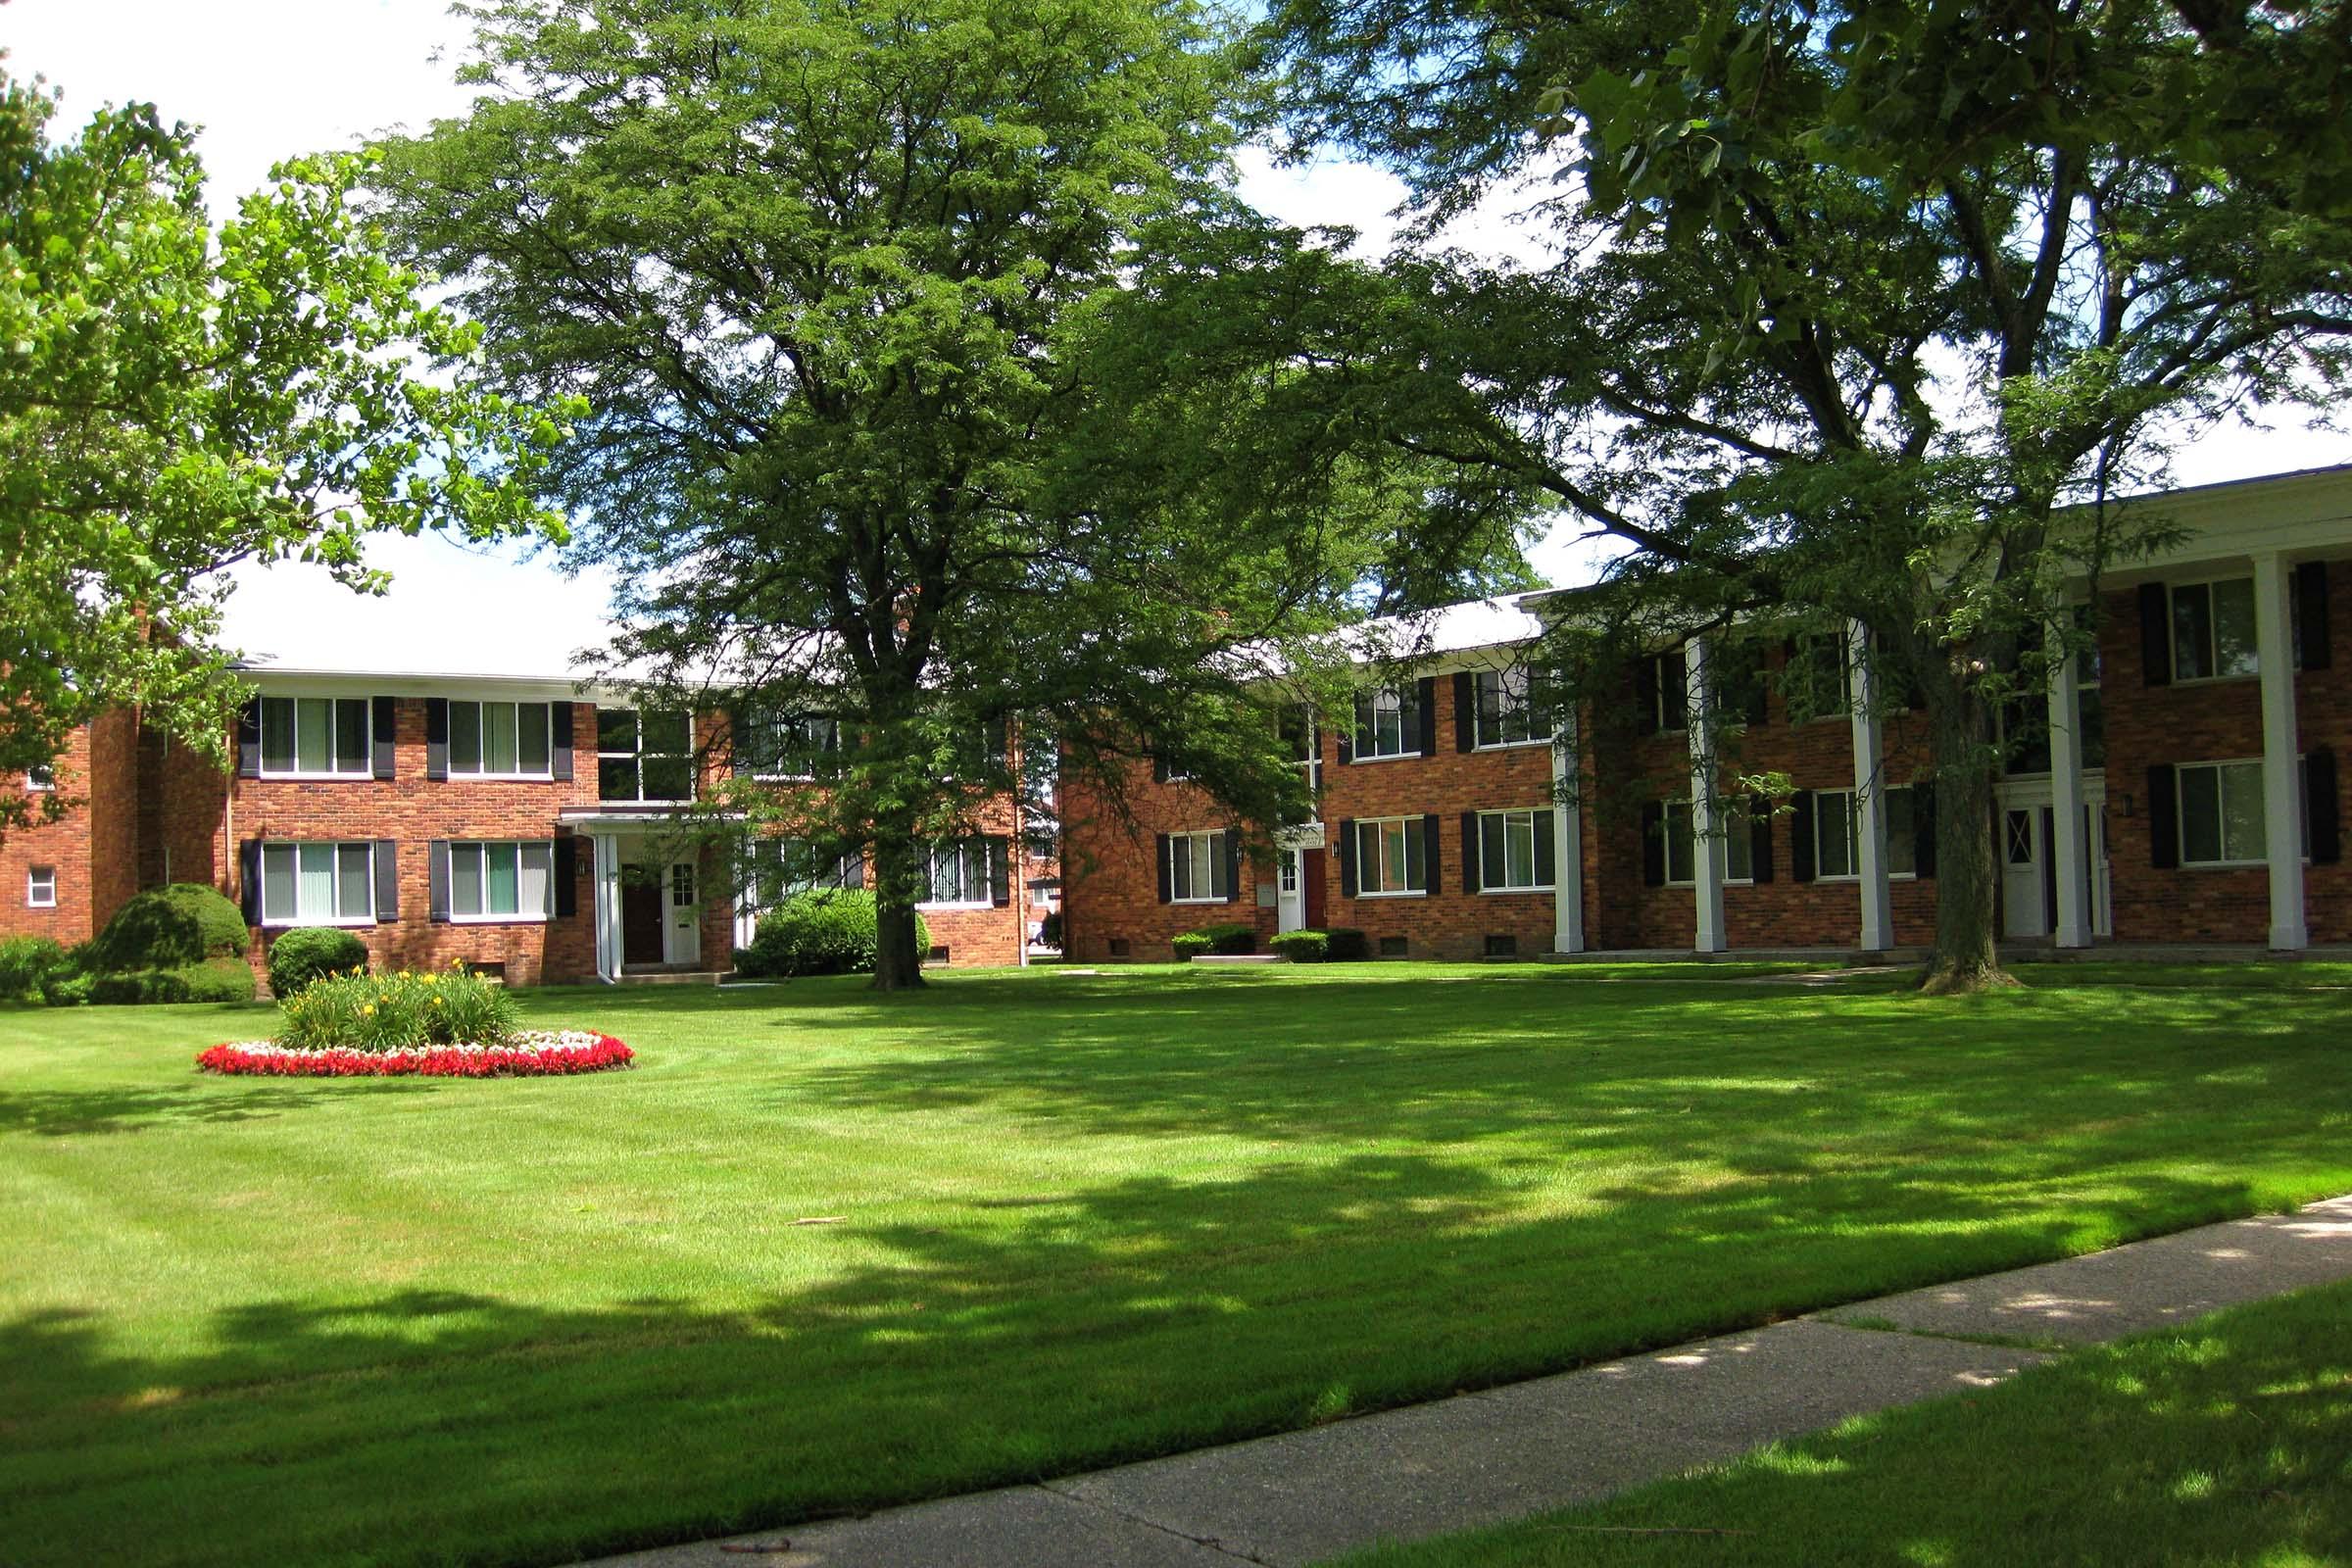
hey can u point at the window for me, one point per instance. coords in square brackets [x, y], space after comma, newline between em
[318, 884]
[1681, 842]
[1836, 848]
[1510, 709]
[1286, 872]
[2213, 630]
[500, 881]
[779, 869]
[307, 736]
[499, 740]
[1902, 831]
[40, 776]
[644, 755]
[1737, 680]
[1665, 690]
[1197, 872]
[40, 888]
[959, 872]
[1304, 745]
[1819, 681]
[1515, 851]
[1388, 723]
[2221, 814]
[790, 747]
[1391, 856]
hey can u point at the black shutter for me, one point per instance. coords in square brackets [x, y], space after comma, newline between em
[567, 875]
[1347, 857]
[559, 739]
[1759, 702]
[1465, 711]
[1548, 851]
[387, 881]
[1433, 853]
[2318, 789]
[1800, 836]
[2155, 635]
[436, 738]
[249, 739]
[437, 880]
[1233, 866]
[1159, 769]
[383, 719]
[1000, 870]
[1923, 827]
[739, 743]
[1425, 698]
[2164, 816]
[1645, 697]
[249, 880]
[2311, 608]
[1470, 852]
[1759, 838]
[1653, 845]
[1167, 884]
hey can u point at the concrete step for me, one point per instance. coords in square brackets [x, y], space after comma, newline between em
[1241, 958]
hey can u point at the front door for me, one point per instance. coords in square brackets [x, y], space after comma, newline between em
[1311, 864]
[1290, 913]
[643, 902]
[685, 939]
[2025, 873]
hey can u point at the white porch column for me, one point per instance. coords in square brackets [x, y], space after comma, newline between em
[1568, 847]
[2281, 789]
[1870, 795]
[1706, 849]
[607, 907]
[2068, 855]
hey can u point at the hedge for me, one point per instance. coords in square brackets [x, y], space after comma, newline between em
[822, 931]
[26, 965]
[167, 928]
[310, 952]
[213, 980]
[1302, 947]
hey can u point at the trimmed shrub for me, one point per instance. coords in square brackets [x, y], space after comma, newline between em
[1231, 938]
[213, 980]
[168, 928]
[1189, 945]
[1345, 944]
[397, 1012]
[313, 952]
[822, 931]
[26, 965]
[1302, 947]
[68, 987]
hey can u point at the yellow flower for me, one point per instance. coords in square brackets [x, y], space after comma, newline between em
[436, 1002]
[368, 1012]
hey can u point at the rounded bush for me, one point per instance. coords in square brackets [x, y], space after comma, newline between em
[213, 980]
[312, 952]
[1190, 944]
[1345, 944]
[823, 931]
[26, 965]
[1302, 947]
[168, 928]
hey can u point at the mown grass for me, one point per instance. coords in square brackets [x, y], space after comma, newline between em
[2227, 1441]
[1068, 1220]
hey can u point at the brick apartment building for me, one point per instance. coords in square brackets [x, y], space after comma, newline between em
[513, 823]
[2187, 789]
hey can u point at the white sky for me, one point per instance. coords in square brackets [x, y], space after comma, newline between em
[269, 79]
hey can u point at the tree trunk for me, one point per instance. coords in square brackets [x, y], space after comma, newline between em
[897, 965]
[1966, 957]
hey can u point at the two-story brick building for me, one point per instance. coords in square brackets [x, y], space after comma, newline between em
[516, 823]
[2187, 789]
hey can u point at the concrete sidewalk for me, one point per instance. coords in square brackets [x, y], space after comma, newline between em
[1505, 1452]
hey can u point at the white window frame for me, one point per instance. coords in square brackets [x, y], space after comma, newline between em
[1415, 843]
[284, 920]
[1514, 699]
[1393, 700]
[1668, 710]
[774, 857]
[363, 767]
[1853, 837]
[977, 845]
[1843, 711]
[1548, 875]
[2261, 856]
[40, 778]
[36, 877]
[480, 707]
[807, 725]
[2212, 651]
[1185, 851]
[486, 916]
[1677, 824]
[637, 756]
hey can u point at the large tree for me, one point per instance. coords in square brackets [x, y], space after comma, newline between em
[849, 287]
[1856, 301]
[177, 397]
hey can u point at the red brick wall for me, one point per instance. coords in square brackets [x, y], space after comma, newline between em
[64, 845]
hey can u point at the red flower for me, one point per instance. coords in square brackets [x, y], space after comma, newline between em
[438, 1061]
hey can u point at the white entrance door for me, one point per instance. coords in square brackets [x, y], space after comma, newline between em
[2024, 853]
[682, 929]
[1289, 912]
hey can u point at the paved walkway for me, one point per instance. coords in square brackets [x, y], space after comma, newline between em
[1480, 1458]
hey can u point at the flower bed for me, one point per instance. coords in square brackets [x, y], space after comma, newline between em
[529, 1053]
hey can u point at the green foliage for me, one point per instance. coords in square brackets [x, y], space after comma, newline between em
[1049, 929]
[1190, 944]
[1230, 937]
[309, 953]
[397, 1011]
[1302, 947]
[68, 987]
[1346, 945]
[174, 397]
[210, 980]
[26, 965]
[822, 931]
[166, 928]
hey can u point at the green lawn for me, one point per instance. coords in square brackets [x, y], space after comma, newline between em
[2227, 1441]
[1080, 1219]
